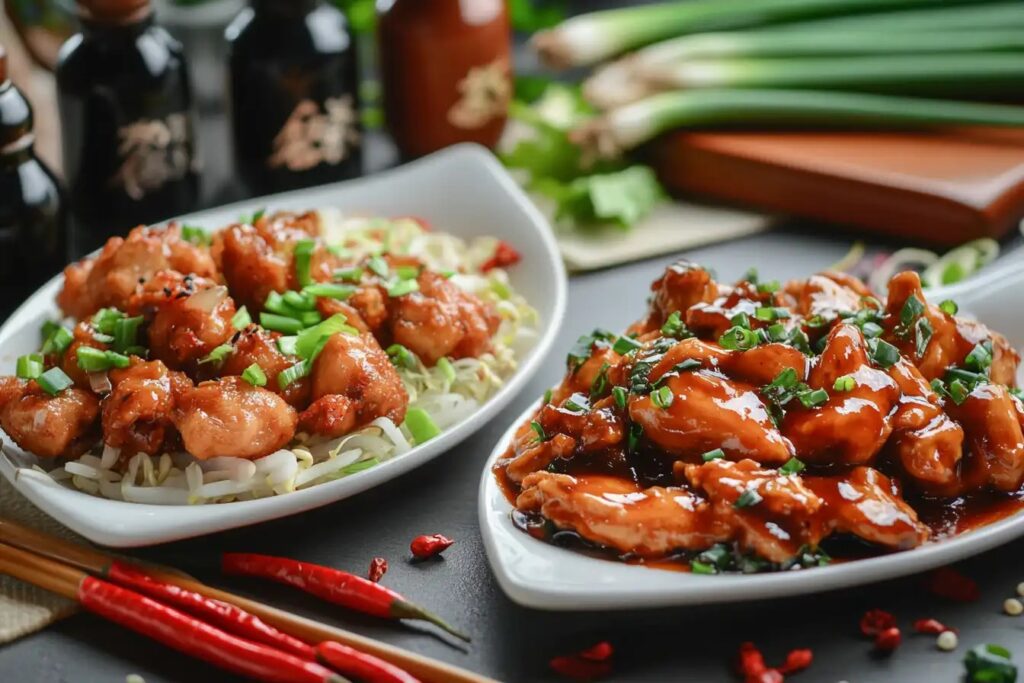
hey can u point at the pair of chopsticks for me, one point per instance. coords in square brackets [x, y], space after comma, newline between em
[64, 568]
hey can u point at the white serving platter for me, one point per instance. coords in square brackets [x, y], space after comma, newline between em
[461, 190]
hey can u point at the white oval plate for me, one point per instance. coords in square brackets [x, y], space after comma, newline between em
[540, 575]
[462, 190]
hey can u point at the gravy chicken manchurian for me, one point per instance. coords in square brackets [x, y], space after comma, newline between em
[166, 356]
[763, 426]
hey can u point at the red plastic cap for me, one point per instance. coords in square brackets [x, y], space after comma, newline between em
[111, 10]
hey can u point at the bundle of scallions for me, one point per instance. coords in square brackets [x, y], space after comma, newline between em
[792, 63]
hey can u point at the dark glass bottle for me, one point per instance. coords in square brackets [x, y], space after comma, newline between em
[294, 95]
[445, 72]
[33, 220]
[127, 122]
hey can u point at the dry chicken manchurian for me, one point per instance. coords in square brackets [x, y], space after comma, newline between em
[740, 426]
[165, 356]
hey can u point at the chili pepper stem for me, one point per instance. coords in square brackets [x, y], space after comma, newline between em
[402, 609]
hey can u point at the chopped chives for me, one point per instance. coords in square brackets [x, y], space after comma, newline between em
[845, 383]
[539, 431]
[777, 332]
[980, 357]
[447, 369]
[310, 318]
[675, 327]
[354, 274]
[303, 261]
[814, 398]
[923, 334]
[871, 330]
[292, 374]
[662, 398]
[949, 307]
[217, 355]
[792, 466]
[883, 353]
[378, 266]
[741, 320]
[286, 345]
[29, 366]
[241, 319]
[126, 332]
[195, 235]
[58, 341]
[912, 308]
[421, 425]
[280, 323]
[311, 340]
[769, 287]
[697, 567]
[98, 360]
[958, 391]
[624, 345]
[770, 313]
[105, 319]
[577, 403]
[715, 454]
[54, 381]
[329, 290]
[407, 272]
[255, 376]
[636, 431]
[402, 287]
[299, 301]
[620, 395]
[738, 338]
[547, 396]
[402, 357]
[748, 498]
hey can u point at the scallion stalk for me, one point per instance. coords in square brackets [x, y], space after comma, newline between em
[421, 425]
[627, 127]
[938, 17]
[592, 37]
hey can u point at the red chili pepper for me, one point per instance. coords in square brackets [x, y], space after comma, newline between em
[932, 626]
[796, 660]
[504, 255]
[196, 638]
[332, 585]
[378, 568]
[751, 661]
[766, 676]
[221, 614]
[875, 621]
[427, 546]
[948, 583]
[365, 667]
[888, 640]
[590, 664]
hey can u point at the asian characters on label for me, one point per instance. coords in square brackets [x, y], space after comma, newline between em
[313, 136]
[153, 152]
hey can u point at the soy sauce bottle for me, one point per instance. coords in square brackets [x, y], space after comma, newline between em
[125, 102]
[445, 72]
[294, 95]
[33, 220]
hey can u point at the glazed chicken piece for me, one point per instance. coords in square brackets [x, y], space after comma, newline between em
[256, 345]
[353, 383]
[48, 426]
[188, 316]
[533, 455]
[138, 414]
[682, 285]
[868, 505]
[440, 319]
[230, 417]
[771, 514]
[851, 427]
[952, 338]
[991, 419]
[110, 278]
[826, 295]
[621, 515]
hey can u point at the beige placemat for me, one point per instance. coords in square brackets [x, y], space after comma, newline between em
[25, 609]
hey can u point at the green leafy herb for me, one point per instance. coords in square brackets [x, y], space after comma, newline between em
[624, 345]
[912, 308]
[539, 430]
[990, 664]
[583, 347]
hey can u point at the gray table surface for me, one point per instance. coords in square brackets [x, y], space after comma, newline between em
[512, 643]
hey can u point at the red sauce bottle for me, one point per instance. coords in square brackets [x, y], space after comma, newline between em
[445, 71]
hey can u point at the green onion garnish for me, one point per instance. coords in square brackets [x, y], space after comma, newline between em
[97, 360]
[421, 425]
[217, 355]
[912, 308]
[990, 664]
[402, 287]
[812, 399]
[54, 381]
[769, 287]
[105, 319]
[716, 454]
[741, 320]
[871, 330]
[402, 357]
[883, 353]
[447, 369]
[329, 290]
[547, 396]
[738, 338]
[620, 395]
[299, 301]
[949, 307]
[312, 339]
[792, 466]
[747, 499]
[577, 403]
[29, 366]
[292, 374]
[254, 375]
[241, 319]
[939, 387]
[923, 334]
[378, 266]
[539, 430]
[359, 466]
[354, 274]
[126, 332]
[624, 345]
[777, 332]
[310, 318]
[195, 235]
[58, 341]
[636, 431]
[958, 391]
[303, 259]
[786, 379]
[675, 327]
[980, 357]
[280, 323]
[845, 383]
[286, 345]
[770, 313]
[697, 567]
[662, 398]
[407, 272]
[47, 328]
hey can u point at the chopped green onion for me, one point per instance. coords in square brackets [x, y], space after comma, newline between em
[751, 276]
[624, 345]
[378, 266]
[812, 399]
[407, 272]
[402, 287]
[600, 384]
[195, 235]
[741, 320]
[446, 273]
[47, 328]
[241, 319]
[312, 339]
[539, 430]
[792, 466]
[339, 251]
[990, 664]
[299, 301]
[217, 355]
[980, 357]
[359, 466]
[620, 395]
[500, 288]
[697, 567]
[329, 290]
[303, 260]
[54, 381]
[967, 377]
[716, 454]
[786, 379]
[29, 366]
[58, 341]
[105, 319]
[636, 432]
[871, 330]
[286, 345]
[939, 387]
[402, 357]
[958, 391]
[748, 498]
[769, 287]
[310, 318]
[547, 396]
[275, 303]
[923, 334]
[662, 398]
[675, 327]
[280, 323]
[738, 339]
[577, 403]
[292, 374]
[447, 369]
[97, 360]
[845, 383]
[126, 332]
[354, 274]
[883, 353]
[421, 425]
[777, 332]
[255, 376]
[912, 308]
[770, 313]
[949, 307]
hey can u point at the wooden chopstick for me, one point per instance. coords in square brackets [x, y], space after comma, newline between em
[55, 551]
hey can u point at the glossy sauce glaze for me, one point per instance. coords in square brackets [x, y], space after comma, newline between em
[756, 427]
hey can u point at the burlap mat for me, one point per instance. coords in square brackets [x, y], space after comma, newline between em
[25, 609]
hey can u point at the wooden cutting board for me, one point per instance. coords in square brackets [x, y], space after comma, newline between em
[942, 188]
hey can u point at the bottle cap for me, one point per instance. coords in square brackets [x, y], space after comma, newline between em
[112, 10]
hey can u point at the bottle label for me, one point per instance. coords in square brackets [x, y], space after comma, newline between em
[484, 93]
[153, 152]
[312, 136]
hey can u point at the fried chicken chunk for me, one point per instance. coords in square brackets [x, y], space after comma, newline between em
[48, 426]
[138, 415]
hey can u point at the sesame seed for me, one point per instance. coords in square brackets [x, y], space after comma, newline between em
[1013, 607]
[947, 641]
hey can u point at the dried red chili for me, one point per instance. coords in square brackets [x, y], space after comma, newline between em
[874, 621]
[932, 626]
[888, 640]
[221, 614]
[360, 665]
[796, 660]
[751, 664]
[766, 676]
[378, 568]
[423, 547]
[504, 255]
[587, 665]
[599, 652]
[750, 661]
[332, 585]
[196, 638]
[948, 583]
